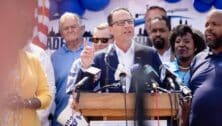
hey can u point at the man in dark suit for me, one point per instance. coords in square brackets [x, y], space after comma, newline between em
[124, 51]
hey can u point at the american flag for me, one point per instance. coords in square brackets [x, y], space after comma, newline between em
[40, 34]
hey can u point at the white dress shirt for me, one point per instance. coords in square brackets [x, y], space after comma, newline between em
[127, 60]
[166, 57]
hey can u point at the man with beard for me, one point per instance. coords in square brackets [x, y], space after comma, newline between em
[159, 34]
[151, 12]
[206, 73]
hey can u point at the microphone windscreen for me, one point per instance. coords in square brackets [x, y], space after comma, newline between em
[121, 69]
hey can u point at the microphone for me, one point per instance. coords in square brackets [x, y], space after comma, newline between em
[118, 76]
[92, 74]
[109, 48]
[122, 70]
[169, 76]
[170, 81]
[124, 74]
[175, 82]
[112, 85]
[145, 75]
[123, 80]
[149, 69]
[151, 74]
[185, 90]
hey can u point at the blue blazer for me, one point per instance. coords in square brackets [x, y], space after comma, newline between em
[143, 55]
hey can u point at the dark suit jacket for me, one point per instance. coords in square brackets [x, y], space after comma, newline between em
[143, 55]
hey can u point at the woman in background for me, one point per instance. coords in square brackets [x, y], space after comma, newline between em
[185, 44]
[24, 87]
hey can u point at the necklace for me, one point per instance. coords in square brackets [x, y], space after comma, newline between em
[184, 68]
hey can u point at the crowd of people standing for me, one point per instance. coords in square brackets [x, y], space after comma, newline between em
[33, 80]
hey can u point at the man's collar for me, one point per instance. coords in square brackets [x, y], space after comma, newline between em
[69, 50]
[211, 54]
[131, 48]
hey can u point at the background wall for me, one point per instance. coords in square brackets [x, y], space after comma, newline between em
[94, 12]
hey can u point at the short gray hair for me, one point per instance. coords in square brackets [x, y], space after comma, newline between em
[69, 15]
[101, 26]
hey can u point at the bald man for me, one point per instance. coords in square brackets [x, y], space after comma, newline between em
[206, 73]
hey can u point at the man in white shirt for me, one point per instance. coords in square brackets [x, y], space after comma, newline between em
[124, 52]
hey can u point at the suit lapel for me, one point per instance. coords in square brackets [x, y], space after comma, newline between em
[137, 60]
[113, 59]
[113, 62]
[138, 56]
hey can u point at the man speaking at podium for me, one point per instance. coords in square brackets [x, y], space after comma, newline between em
[123, 54]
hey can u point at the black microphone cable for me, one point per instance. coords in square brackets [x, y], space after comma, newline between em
[123, 83]
[106, 58]
[108, 86]
[108, 66]
[125, 106]
[156, 88]
[171, 108]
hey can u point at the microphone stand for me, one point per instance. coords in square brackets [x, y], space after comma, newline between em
[123, 83]
[107, 73]
[77, 95]
[108, 66]
[108, 86]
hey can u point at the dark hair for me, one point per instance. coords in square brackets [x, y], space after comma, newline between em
[155, 7]
[163, 18]
[110, 16]
[182, 30]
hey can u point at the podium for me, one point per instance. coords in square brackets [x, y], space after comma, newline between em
[111, 106]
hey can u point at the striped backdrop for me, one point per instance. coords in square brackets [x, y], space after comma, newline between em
[41, 29]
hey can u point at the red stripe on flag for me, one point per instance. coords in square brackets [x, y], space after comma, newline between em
[43, 11]
[36, 41]
[42, 24]
[43, 28]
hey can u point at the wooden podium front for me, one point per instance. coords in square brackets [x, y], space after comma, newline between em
[111, 105]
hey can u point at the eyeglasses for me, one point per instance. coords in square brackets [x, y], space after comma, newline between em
[122, 22]
[102, 40]
[71, 27]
